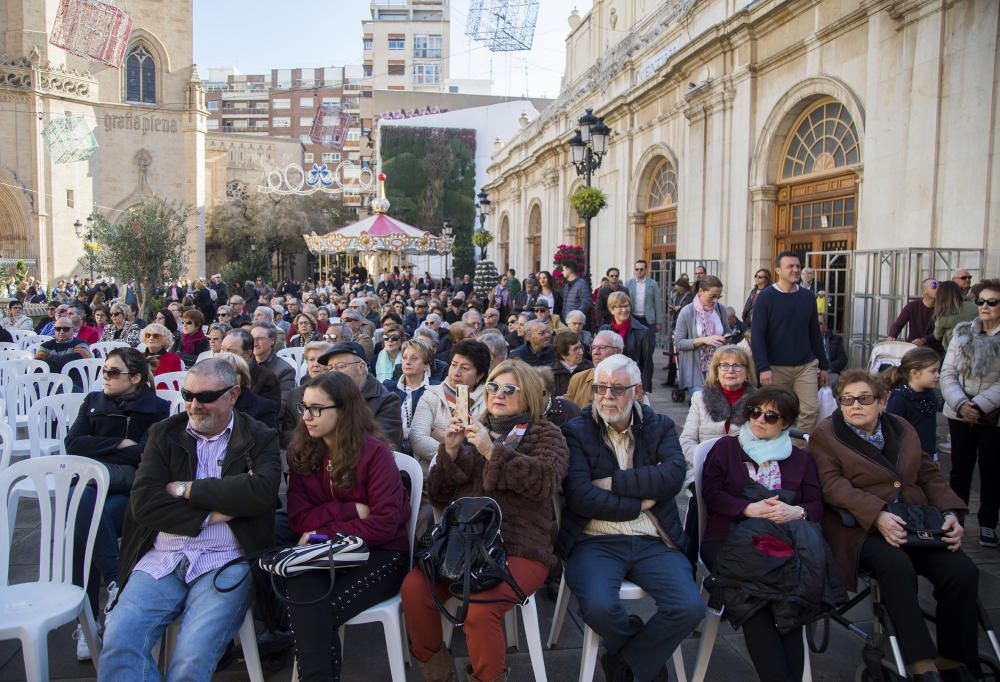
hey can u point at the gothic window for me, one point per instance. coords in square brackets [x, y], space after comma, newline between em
[662, 186]
[237, 190]
[824, 138]
[140, 76]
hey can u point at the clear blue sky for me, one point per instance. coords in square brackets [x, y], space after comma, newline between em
[256, 36]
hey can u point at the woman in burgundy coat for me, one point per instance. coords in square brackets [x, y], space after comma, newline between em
[762, 452]
[343, 480]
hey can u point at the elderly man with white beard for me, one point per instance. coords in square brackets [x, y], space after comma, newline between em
[621, 522]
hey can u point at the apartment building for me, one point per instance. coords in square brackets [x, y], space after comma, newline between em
[285, 103]
[406, 45]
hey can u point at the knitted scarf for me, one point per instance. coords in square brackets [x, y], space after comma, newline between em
[189, 342]
[711, 325]
[501, 426]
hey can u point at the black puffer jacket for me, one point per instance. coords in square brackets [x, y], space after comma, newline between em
[751, 571]
[657, 473]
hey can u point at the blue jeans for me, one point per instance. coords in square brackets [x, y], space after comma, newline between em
[594, 572]
[104, 565]
[209, 620]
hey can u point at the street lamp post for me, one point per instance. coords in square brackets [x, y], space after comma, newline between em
[87, 236]
[588, 146]
[484, 209]
[447, 232]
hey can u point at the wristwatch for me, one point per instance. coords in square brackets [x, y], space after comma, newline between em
[181, 489]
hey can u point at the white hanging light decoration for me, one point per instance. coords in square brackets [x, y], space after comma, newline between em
[503, 25]
[293, 179]
[69, 138]
[92, 29]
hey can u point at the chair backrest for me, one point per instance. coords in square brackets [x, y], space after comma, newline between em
[13, 353]
[49, 418]
[700, 454]
[26, 342]
[411, 466]
[89, 372]
[8, 345]
[18, 334]
[101, 349]
[66, 477]
[173, 381]
[12, 368]
[176, 401]
[6, 444]
[293, 356]
[24, 390]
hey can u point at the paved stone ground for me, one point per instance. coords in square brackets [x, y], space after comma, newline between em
[365, 657]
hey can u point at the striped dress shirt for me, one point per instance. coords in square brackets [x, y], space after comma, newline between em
[215, 544]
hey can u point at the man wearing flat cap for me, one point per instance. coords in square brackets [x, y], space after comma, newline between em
[349, 359]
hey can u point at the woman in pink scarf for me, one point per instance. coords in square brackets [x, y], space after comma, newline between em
[701, 328]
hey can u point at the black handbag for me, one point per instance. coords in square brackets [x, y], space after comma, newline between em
[923, 524]
[466, 552]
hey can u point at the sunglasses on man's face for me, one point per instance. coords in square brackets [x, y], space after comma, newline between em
[770, 417]
[63, 329]
[204, 397]
[965, 277]
[616, 391]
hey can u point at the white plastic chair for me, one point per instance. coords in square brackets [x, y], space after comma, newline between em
[293, 356]
[100, 349]
[8, 345]
[33, 609]
[712, 617]
[13, 368]
[176, 401]
[23, 391]
[389, 612]
[49, 419]
[18, 334]
[246, 635]
[173, 381]
[29, 340]
[89, 372]
[13, 353]
[6, 444]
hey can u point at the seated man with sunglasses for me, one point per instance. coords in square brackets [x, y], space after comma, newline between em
[63, 349]
[204, 494]
[621, 522]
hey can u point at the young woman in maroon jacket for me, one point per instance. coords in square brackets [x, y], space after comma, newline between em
[343, 480]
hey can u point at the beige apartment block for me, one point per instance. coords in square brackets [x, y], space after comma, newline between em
[406, 45]
[741, 129]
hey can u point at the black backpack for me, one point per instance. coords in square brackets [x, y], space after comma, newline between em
[466, 553]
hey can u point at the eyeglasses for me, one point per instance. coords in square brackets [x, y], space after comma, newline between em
[991, 302]
[731, 367]
[187, 322]
[223, 314]
[332, 337]
[508, 389]
[640, 269]
[770, 417]
[964, 277]
[112, 373]
[314, 411]
[341, 366]
[63, 329]
[541, 309]
[151, 335]
[616, 391]
[117, 313]
[392, 337]
[204, 397]
[512, 320]
[848, 400]
[600, 348]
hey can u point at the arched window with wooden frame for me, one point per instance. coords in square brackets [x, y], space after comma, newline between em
[140, 75]
[817, 207]
[660, 207]
[535, 238]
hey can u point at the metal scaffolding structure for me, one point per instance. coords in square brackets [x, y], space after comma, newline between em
[503, 25]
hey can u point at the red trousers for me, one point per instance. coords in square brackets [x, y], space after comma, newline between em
[484, 633]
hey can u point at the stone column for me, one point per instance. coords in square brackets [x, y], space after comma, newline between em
[760, 240]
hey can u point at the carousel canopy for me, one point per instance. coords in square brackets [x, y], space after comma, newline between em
[379, 233]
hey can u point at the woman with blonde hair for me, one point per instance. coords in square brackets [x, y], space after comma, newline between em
[720, 408]
[417, 356]
[515, 456]
[121, 328]
[157, 339]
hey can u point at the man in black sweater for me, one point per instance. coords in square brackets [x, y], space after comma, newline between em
[786, 340]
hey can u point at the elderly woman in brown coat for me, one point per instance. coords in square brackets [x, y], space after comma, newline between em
[867, 459]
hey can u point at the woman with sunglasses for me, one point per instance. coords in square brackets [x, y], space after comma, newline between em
[193, 341]
[759, 474]
[112, 427]
[761, 281]
[121, 328]
[167, 319]
[951, 308]
[515, 456]
[970, 384]
[157, 339]
[702, 326]
[866, 459]
[343, 480]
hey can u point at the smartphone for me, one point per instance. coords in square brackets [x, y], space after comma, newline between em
[462, 404]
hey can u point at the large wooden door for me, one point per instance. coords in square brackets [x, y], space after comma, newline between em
[817, 215]
[660, 239]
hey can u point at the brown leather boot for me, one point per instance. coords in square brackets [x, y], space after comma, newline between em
[472, 678]
[440, 667]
